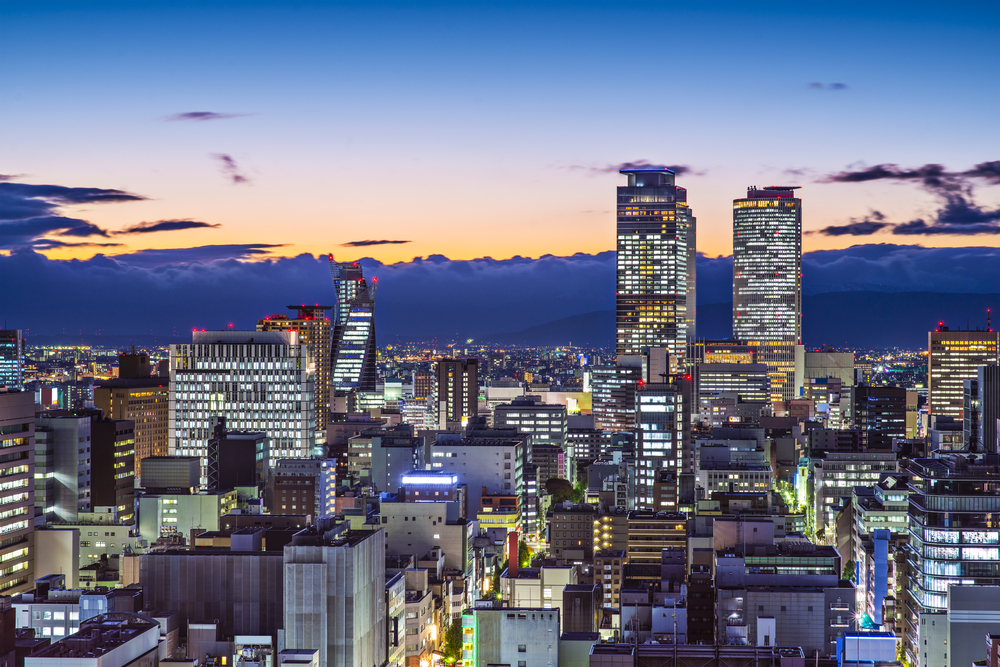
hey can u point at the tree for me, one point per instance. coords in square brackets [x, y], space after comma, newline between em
[848, 572]
[523, 554]
[452, 645]
[579, 491]
[560, 489]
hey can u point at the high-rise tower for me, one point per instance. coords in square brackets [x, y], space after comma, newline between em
[11, 359]
[656, 263]
[952, 358]
[767, 280]
[353, 354]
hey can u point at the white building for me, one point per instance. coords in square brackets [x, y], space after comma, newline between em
[510, 636]
[260, 381]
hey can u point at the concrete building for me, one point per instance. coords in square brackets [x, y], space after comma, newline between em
[537, 587]
[656, 250]
[545, 423]
[237, 459]
[510, 636]
[334, 598]
[734, 477]
[140, 398]
[973, 613]
[304, 486]
[260, 381]
[395, 607]
[767, 281]
[834, 478]
[112, 466]
[825, 364]
[456, 391]
[981, 410]
[571, 531]
[63, 461]
[240, 591]
[17, 439]
[181, 513]
[794, 588]
[954, 357]
[116, 639]
[495, 464]
[313, 327]
[747, 380]
[649, 533]
[418, 527]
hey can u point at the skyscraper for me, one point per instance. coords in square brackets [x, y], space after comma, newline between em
[17, 439]
[353, 353]
[456, 389]
[11, 359]
[767, 280]
[314, 330]
[954, 357]
[656, 263]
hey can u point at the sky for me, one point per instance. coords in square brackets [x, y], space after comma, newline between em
[471, 130]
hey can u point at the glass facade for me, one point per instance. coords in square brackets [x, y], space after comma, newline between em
[954, 357]
[656, 264]
[353, 354]
[11, 359]
[767, 280]
[660, 428]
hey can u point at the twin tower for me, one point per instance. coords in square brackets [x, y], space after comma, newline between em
[656, 297]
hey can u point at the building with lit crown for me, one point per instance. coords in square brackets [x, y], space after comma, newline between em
[656, 263]
[353, 354]
[767, 280]
[954, 357]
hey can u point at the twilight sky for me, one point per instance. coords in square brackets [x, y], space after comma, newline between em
[474, 129]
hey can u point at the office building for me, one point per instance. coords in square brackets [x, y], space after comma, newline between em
[17, 439]
[11, 360]
[352, 353]
[509, 636]
[313, 327]
[954, 357]
[545, 423]
[140, 398]
[834, 478]
[663, 434]
[648, 533]
[614, 389]
[304, 486]
[112, 463]
[953, 539]
[63, 444]
[824, 364]
[456, 391]
[655, 289]
[570, 531]
[880, 415]
[334, 597]
[981, 410]
[178, 514]
[767, 281]
[260, 381]
[748, 381]
[493, 464]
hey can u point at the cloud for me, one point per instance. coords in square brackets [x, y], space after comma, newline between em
[874, 222]
[361, 244]
[958, 213]
[204, 115]
[52, 244]
[816, 85]
[156, 257]
[678, 169]
[30, 211]
[9, 177]
[230, 168]
[166, 226]
[210, 286]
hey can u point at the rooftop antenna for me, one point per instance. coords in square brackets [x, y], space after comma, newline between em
[989, 326]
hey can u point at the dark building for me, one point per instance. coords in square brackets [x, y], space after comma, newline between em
[112, 466]
[581, 608]
[981, 410]
[171, 474]
[236, 458]
[457, 390]
[423, 384]
[240, 590]
[880, 414]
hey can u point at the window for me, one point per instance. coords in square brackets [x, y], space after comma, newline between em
[522, 648]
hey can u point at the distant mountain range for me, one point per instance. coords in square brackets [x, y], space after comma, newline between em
[861, 320]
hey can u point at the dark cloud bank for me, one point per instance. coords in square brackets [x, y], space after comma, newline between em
[853, 296]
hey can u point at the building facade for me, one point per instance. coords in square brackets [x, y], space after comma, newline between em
[656, 241]
[17, 472]
[954, 357]
[11, 359]
[260, 381]
[767, 280]
[353, 354]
